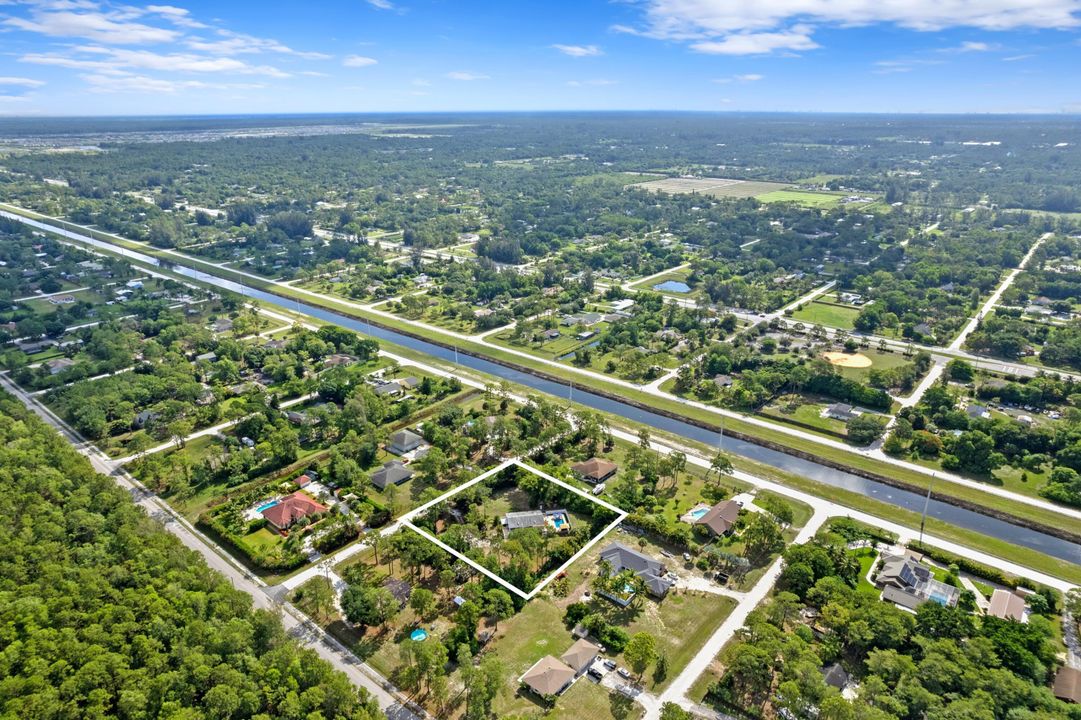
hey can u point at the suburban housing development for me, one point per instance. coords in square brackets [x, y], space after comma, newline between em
[611, 415]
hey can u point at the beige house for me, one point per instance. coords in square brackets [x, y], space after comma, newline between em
[580, 656]
[1007, 606]
[548, 677]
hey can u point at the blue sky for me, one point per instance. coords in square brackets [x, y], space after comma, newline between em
[83, 57]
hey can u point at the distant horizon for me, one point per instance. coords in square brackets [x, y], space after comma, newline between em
[614, 111]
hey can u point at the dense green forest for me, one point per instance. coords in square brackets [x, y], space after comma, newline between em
[104, 614]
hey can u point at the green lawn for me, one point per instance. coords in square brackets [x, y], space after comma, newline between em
[918, 480]
[803, 197]
[827, 314]
[808, 414]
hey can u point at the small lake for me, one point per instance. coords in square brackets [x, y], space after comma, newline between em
[673, 286]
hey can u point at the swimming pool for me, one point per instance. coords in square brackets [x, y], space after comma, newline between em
[266, 506]
[673, 286]
[698, 513]
[418, 635]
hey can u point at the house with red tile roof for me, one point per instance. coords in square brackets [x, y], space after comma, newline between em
[290, 509]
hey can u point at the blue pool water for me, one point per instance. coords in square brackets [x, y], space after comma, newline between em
[419, 635]
[699, 512]
[266, 506]
[673, 286]
[939, 598]
[559, 522]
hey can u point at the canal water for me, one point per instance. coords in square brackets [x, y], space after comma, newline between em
[952, 514]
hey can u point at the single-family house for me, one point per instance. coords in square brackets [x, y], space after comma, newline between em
[580, 656]
[548, 677]
[290, 509]
[835, 676]
[1007, 605]
[723, 381]
[550, 334]
[1067, 685]
[338, 360]
[524, 519]
[977, 411]
[408, 383]
[388, 389]
[403, 441]
[221, 325]
[620, 557]
[393, 472]
[720, 518]
[145, 417]
[594, 470]
[908, 583]
[842, 411]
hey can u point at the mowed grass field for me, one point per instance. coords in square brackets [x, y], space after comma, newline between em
[828, 314]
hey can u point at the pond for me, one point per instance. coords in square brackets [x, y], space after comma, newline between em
[673, 286]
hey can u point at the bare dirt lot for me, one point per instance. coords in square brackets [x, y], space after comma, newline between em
[713, 187]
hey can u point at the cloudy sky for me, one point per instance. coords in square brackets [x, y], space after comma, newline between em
[83, 57]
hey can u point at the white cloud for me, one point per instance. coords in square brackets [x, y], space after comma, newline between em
[97, 26]
[748, 77]
[420, 82]
[579, 50]
[797, 38]
[1015, 58]
[176, 15]
[465, 75]
[600, 82]
[117, 61]
[356, 61]
[21, 82]
[890, 67]
[970, 46]
[143, 84]
[12, 98]
[240, 44]
[381, 4]
[742, 27]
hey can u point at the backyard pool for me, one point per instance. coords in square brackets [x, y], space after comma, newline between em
[697, 513]
[266, 506]
[418, 635]
[673, 286]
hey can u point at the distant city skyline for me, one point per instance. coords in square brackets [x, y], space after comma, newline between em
[81, 57]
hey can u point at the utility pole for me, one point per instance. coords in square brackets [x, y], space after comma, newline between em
[926, 502]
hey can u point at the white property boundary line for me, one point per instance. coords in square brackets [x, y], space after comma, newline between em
[407, 521]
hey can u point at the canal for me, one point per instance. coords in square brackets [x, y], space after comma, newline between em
[952, 514]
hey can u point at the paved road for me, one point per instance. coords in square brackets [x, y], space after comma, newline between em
[1070, 513]
[295, 623]
[677, 691]
[997, 294]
